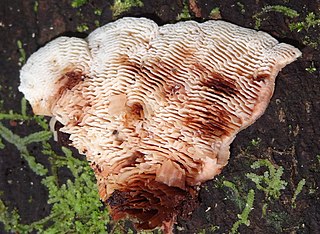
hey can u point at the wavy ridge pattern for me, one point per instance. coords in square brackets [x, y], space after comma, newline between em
[155, 108]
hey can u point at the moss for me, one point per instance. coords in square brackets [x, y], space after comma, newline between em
[311, 21]
[264, 209]
[35, 6]
[23, 57]
[21, 145]
[11, 219]
[276, 220]
[314, 43]
[286, 11]
[75, 204]
[297, 192]
[2, 146]
[82, 27]
[212, 229]
[243, 217]
[255, 142]
[185, 13]
[78, 3]
[215, 13]
[23, 105]
[235, 194]
[311, 68]
[98, 12]
[270, 182]
[97, 23]
[157, 231]
[121, 6]
[241, 7]
[76, 207]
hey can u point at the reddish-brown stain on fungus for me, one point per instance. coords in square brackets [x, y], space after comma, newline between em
[73, 78]
[69, 80]
[155, 109]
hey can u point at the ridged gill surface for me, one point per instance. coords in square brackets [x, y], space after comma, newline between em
[155, 108]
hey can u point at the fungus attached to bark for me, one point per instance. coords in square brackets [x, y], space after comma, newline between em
[155, 109]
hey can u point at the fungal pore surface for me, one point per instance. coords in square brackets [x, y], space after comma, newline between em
[155, 109]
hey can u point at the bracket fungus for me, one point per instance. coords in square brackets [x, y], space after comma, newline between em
[155, 108]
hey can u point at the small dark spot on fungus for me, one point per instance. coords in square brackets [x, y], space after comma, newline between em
[155, 108]
[72, 79]
[96, 168]
[261, 77]
[136, 111]
[176, 89]
[221, 85]
[117, 199]
[68, 80]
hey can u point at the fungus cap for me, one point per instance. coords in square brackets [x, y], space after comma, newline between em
[158, 107]
[60, 63]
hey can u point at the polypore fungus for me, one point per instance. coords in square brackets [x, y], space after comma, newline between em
[155, 109]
